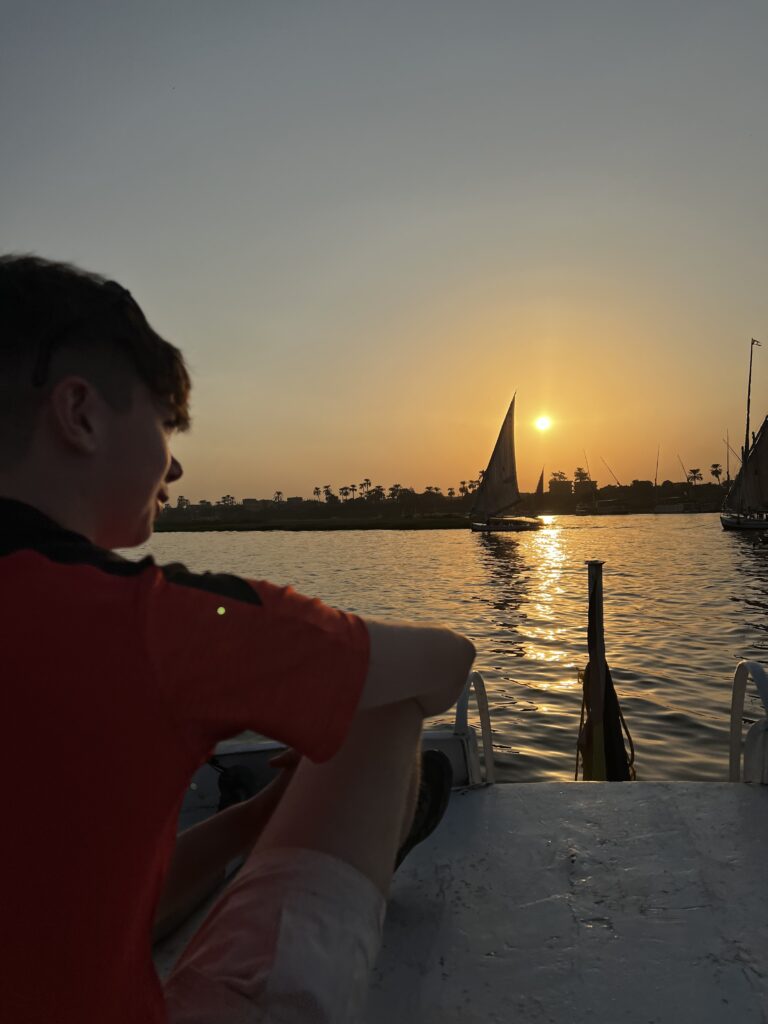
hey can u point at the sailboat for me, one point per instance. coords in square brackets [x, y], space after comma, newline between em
[498, 491]
[746, 506]
[538, 496]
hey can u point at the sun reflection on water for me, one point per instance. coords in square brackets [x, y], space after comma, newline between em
[682, 604]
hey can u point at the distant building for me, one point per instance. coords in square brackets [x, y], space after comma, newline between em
[585, 490]
[560, 488]
[202, 510]
[293, 501]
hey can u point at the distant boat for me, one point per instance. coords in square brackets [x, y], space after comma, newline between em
[498, 491]
[673, 505]
[746, 506]
[612, 507]
[539, 495]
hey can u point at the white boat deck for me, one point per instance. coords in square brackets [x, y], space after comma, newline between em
[599, 903]
[581, 902]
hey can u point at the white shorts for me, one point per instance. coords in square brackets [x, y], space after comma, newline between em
[291, 940]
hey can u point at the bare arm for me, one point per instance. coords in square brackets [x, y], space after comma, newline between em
[428, 664]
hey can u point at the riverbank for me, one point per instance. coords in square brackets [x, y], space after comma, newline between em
[430, 522]
[448, 522]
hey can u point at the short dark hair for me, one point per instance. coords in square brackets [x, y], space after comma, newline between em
[49, 311]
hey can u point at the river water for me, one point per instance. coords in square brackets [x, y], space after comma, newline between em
[684, 601]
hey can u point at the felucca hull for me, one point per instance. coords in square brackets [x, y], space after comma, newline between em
[514, 524]
[733, 521]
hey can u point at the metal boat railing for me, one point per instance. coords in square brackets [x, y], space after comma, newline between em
[476, 682]
[755, 746]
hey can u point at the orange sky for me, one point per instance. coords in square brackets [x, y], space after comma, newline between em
[368, 225]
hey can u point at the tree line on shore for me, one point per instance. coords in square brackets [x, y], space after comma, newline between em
[366, 499]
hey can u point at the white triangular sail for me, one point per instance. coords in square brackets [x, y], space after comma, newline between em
[749, 492]
[498, 490]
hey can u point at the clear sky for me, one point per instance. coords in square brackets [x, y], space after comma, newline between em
[368, 224]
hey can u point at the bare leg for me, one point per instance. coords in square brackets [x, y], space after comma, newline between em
[295, 935]
[411, 798]
[203, 851]
[357, 806]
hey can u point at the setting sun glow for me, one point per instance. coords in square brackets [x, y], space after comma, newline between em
[543, 423]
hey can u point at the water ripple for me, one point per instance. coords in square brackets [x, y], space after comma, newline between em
[683, 602]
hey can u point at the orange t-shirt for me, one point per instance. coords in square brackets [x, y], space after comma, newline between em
[118, 679]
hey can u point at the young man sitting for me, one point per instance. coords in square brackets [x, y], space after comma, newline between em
[120, 677]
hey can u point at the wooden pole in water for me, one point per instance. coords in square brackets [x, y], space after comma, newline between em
[596, 647]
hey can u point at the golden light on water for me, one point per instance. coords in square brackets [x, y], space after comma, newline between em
[543, 423]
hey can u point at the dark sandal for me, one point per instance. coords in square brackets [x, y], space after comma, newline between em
[434, 794]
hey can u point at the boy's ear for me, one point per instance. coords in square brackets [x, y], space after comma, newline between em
[76, 410]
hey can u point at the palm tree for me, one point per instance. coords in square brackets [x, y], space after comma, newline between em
[353, 490]
[365, 486]
[394, 490]
[317, 492]
[559, 475]
[463, 488]
[278, 496]
[694, 475]
[716, 470]
[451, 492]
[344, 492]
[327, 492]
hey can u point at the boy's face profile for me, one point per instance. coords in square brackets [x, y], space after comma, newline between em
[89, 397]
[134, 467]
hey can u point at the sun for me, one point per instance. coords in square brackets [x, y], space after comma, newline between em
[543, 423]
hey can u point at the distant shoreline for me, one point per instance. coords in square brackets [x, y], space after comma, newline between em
[298, 526]
[326, 525]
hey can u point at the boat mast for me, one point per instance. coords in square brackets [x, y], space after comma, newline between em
[618, 482]
[727, 443]
[753, 342]
[589, 477]
[727, 459]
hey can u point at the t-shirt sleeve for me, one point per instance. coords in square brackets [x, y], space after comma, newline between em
[231, 654]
